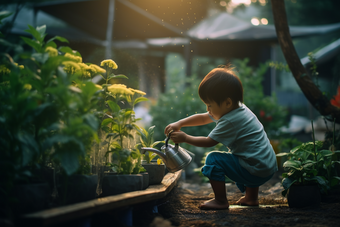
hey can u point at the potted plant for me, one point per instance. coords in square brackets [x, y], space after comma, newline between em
[118, 125]
[78, 187]
[156, 171]
[310, 170]
[47, 115]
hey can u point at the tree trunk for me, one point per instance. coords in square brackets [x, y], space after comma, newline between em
[301, 75]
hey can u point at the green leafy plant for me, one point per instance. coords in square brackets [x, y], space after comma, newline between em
[60, 116]
[147, 140]
[309, 163]
[47, 111]
[119, 123]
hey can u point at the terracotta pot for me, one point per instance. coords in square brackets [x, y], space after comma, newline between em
[303, 195]
[114, 183]
[156, 172]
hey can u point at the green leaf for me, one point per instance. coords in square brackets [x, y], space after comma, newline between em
[335, 162]
[156, 143]
[38, 33]
[287, 182]
[106, 121]
[41, 30]
[282, 154]
[91, 120]
[116, 145]
[40, 57]
[62, 139]
[59, 38]
[67, 49]
[308, 165]
[295, 149]
[134, 155]
[51, 44]
[293, 164]
[113, 106]
[335, 181]
[120, 76]
[29, 148]
[114, 135]
[69, 161]
[325, 153]
[140, 99]
[4, 14]
[32, 43]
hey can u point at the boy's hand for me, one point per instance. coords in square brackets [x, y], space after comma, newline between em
[178, 137]
[176, 126]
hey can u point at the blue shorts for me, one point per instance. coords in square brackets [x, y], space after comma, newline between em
[220, 164]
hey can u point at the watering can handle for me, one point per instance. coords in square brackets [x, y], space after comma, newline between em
[167, 139]
[176, 145]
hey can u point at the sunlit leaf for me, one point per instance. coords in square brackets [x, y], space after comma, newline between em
[38, 33]
[282, 154]
[293, 164]
[120, 76]
[140, 99]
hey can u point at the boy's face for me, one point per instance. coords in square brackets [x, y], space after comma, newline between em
[217, 111]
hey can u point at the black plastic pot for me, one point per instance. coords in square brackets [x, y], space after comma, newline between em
[156, 172]
[31, 197]
[145, 180]
[77, 188]
[303, 195]
[114, 184]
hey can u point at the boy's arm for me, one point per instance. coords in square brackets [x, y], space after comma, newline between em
[193, 120]
[198, 141]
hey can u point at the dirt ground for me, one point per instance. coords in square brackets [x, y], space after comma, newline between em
[180, 208]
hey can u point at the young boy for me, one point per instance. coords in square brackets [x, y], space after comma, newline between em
[251, 161]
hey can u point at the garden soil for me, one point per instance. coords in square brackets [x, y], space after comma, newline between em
[180, 208]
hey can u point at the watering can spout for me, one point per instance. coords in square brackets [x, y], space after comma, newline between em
[159, 153]
[174, 157]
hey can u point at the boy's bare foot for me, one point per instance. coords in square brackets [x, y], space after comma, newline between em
[214, 204]
[243, 201]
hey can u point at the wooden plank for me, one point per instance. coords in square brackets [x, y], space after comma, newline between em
[75, 211]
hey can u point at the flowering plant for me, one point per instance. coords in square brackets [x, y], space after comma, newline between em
[119, 123]
[336, 99]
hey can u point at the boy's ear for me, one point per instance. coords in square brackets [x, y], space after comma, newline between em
[229, 102]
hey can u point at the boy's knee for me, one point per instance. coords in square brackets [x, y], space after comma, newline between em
[211, 157]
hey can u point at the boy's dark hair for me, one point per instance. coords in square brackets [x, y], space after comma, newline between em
[220, 84]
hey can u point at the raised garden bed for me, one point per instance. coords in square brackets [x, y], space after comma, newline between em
[85, 210]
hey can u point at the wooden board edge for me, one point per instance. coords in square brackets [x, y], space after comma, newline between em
[75, 211]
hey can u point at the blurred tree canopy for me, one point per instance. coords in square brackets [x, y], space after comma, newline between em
[312, 92]
[302, 12]
[316, 12]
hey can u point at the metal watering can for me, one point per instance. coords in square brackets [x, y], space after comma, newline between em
[174, 157]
